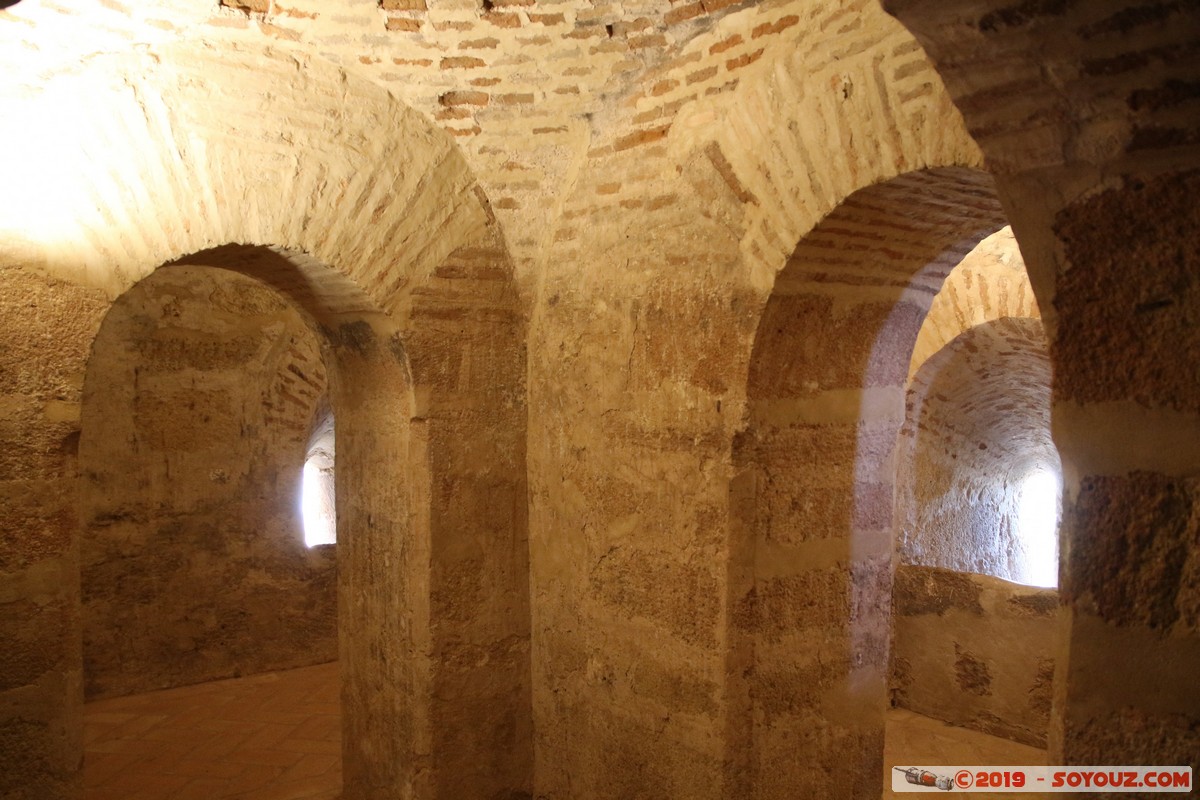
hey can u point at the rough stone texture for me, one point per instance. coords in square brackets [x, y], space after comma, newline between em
[1155, 224]
[46, 327]
[631, 179]
[202, 391]
[1139, 565]
[977, 425]
[825, 385]
[975, 651]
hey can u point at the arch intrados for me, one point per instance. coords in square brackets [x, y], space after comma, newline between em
[932, 212]
[892, 241]
[994, 370]
[321, 292]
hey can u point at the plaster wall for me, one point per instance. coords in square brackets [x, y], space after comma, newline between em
[201, 393]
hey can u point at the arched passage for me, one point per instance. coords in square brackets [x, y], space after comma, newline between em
[977, 430]
[387, 242]
[1087, 114]
[200, 391]
[812, 500]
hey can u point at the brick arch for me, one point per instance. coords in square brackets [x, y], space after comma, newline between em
[991, 283]
[725, 187]
[811, 500]
[369, 219]
[828, 117]
[170, 162]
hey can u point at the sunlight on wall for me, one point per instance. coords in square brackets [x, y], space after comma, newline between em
[1037, 526]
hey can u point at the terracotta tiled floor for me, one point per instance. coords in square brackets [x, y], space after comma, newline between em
[912, 740]
[274, 736]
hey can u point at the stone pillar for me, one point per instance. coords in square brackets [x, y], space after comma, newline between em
[1127, 417]
[382, 571]
[46, 328]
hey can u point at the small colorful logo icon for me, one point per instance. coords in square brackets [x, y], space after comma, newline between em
[923, 777]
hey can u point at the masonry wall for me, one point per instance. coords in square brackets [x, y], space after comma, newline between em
[202, 390]
[651, 167]
[975, 651]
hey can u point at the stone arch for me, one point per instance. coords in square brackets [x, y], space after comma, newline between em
[196, 405]
[811, 500]
[214, 166]
[1086, 112]
[386, 240]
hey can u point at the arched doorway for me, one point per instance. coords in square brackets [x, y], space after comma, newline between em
[812, 500]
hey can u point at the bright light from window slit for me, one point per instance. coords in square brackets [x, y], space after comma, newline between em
[1037, 526]
[316, 504]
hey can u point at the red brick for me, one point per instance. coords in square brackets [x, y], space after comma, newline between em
[249, 6]
[662, 201]
[743, 60]
[462, 62]
[641, 137]
[402, 5]
[701, 75]
[725, 44]
[662, 87]
[647, 116]
[768, 28]
[402, 24]
[464, 98]
[683, 13]
[726, 87]
[502, 20]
